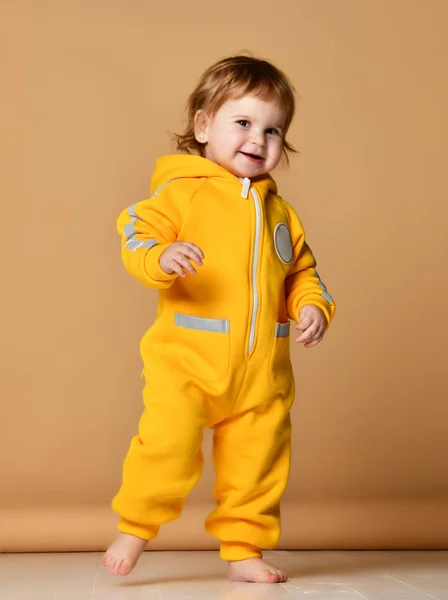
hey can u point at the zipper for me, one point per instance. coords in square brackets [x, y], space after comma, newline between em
[245, 192]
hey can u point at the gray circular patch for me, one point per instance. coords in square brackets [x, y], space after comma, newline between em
[283, 244]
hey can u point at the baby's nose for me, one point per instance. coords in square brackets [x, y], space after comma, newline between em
[257, 137]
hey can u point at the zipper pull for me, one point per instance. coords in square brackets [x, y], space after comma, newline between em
[246, 187]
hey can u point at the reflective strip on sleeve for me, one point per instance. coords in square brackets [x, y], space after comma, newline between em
[325, 293]
[130, 232]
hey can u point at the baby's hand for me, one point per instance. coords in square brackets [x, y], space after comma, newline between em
[175, 259]
[313, 324]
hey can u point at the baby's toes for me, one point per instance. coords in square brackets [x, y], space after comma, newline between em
[124, 568]
[270, 577]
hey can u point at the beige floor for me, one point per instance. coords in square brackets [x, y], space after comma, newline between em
[347, 575]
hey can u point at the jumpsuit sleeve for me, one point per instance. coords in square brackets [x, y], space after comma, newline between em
[303, 283]
[147, 228]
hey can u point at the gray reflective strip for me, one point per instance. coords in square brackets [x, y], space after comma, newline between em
[327, 297]
[150, 244]
[282, 330]
[132, 213]
[134, 244]
[129, 230]
[158, 190]
[325, 293]
[201, 324]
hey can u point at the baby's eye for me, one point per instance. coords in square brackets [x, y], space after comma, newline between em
[272, 131]
[243, 122]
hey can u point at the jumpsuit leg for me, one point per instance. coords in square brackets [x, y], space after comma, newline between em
[164, 461]
[252, 460]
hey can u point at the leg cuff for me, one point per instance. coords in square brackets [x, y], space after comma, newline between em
[144, 533]
[234, 551]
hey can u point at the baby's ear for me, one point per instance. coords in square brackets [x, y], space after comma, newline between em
[201, 127]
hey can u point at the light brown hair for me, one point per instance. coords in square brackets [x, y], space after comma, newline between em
[233, 78]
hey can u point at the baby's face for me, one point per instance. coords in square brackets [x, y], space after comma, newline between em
[246, 136]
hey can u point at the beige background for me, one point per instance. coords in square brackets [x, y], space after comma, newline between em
[90, 92]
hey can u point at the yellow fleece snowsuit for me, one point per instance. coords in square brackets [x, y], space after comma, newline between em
[218, 353]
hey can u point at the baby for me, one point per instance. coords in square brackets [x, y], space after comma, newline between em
[231, 262]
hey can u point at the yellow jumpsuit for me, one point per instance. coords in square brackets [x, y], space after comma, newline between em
[218, 353]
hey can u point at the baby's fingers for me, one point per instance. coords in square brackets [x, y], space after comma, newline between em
[308, 331]
[313, 333]
[175, 267]
[313, 343]
[305, 323]
[183, 261]
[193, 252]
[306, 336]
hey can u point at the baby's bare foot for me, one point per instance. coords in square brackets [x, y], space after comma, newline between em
[123, 554]
[255, 570]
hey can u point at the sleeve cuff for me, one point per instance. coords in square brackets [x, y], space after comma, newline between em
[152, 265]
[317, 300]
